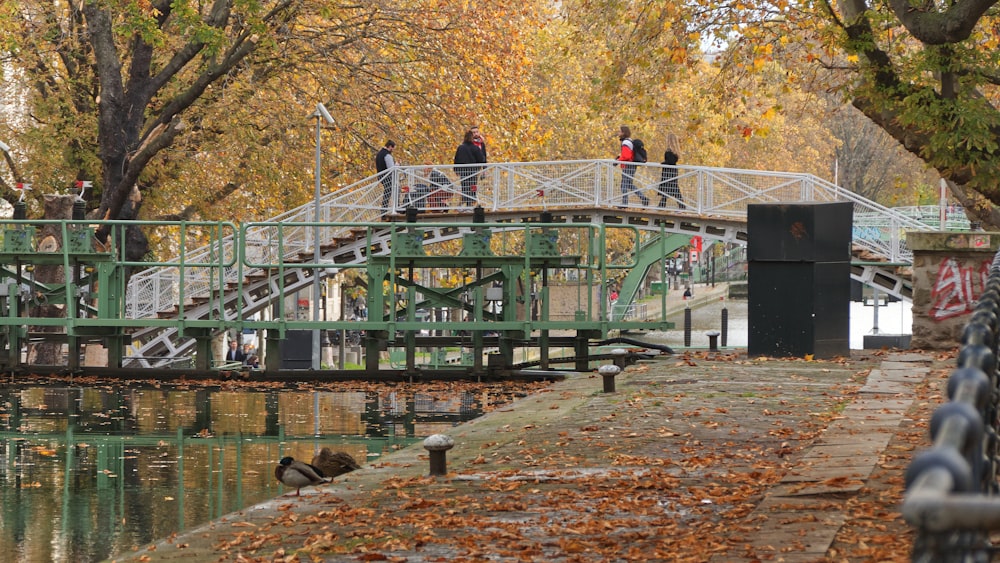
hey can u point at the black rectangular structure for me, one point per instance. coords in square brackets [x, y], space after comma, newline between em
[799, 279]
[799, 232]
[296, 349]
[799, 308]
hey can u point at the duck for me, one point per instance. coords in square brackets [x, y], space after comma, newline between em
[298, 474]
[333, 464]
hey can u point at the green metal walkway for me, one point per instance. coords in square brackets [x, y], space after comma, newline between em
[502, 299]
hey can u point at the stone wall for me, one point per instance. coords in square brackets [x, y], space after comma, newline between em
[949, 273]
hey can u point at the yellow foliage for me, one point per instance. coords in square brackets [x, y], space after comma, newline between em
[541, 85]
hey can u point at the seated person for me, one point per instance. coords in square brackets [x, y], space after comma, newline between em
[437, 188]
[419, 196]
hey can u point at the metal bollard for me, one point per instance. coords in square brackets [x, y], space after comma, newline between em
[620, 358]
[608, 372]
[687, 327]
[725, 327]
[438, 446]
[713, 340]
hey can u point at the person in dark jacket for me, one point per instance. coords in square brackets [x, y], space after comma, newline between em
[468, 154]
[668, 176]
[383, 167]
[235, 354]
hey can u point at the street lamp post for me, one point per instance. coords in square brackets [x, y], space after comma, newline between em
[317, 351]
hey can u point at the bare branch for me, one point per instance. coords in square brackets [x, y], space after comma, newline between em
[953, 25]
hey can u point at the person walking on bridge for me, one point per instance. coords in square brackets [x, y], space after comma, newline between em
[469, 161]
[626, 156]
[384, 164]
[668, 187]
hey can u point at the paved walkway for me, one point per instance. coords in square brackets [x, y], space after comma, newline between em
[837, 464]
[704, 457]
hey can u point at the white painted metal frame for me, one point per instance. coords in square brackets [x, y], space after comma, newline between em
[531, 187]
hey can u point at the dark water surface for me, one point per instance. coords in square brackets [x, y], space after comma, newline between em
[88, 472]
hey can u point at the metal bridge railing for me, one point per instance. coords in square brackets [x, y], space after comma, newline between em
[951, 496]
[532, 186]
[955, 218]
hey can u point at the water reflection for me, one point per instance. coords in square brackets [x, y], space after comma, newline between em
[89, 472]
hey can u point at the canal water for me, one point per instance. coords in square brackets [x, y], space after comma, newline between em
[88, 472]
[893, 318]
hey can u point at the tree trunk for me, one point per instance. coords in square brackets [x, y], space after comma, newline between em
[977, 208]
[50, 240]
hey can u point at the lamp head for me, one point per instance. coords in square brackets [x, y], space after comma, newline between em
[322, 112]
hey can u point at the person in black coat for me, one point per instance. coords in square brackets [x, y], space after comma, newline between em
[668, 175]
[466, 154]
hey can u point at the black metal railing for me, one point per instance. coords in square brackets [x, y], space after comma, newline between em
[951, 488]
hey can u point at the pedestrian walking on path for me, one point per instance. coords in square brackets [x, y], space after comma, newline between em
[626, 156]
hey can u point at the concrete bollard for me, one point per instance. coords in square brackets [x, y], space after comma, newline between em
[713, 340]
[608, 372]
[438, 446]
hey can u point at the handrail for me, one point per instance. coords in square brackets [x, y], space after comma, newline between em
[951, 488]
[527, 187]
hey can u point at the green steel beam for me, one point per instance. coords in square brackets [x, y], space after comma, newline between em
[93, 287]
[654, 250]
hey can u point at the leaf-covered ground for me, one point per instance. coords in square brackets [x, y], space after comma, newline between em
[672, 467]
[874, 529]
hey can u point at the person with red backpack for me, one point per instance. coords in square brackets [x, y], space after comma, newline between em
[628, 155]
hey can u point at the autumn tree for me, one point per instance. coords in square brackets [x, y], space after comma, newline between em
[187, 105]
[601, 64]
[873, 165]
[928, 76]
[924, 73]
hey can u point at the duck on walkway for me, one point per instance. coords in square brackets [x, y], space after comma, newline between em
[297, 474]
[333, 464]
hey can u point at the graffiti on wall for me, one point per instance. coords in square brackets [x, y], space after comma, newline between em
[956, 288]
